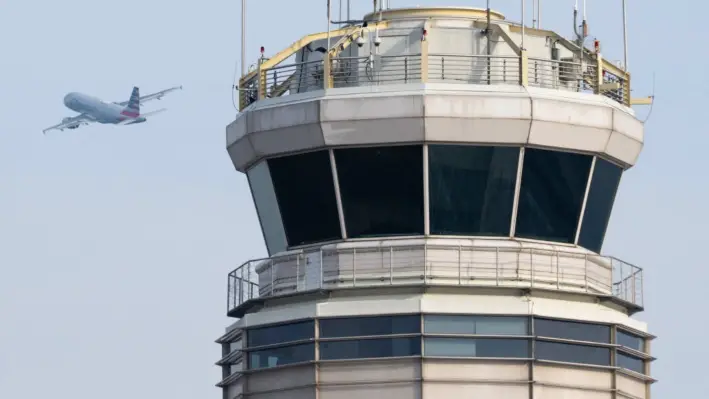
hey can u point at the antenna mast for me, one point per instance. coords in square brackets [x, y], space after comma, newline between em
[243, 37]
[625, 38]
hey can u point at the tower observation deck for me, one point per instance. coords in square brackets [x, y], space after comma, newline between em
[434, 188]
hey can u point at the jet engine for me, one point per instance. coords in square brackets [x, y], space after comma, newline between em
[72, 126]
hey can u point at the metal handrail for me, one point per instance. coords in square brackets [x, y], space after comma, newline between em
[437, 265]
[285, 79]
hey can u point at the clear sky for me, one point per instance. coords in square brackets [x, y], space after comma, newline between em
[115, 242]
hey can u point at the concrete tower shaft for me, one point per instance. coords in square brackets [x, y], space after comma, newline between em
[434, 199]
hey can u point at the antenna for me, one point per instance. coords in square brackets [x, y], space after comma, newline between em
[243, 37]
[523, 15]
[625, 39]
[539, 14]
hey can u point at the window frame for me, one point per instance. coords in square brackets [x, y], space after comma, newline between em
[531, 338]
[426, 195]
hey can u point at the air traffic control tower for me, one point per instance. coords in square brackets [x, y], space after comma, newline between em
[434, 188]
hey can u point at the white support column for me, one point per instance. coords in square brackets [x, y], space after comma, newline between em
[585, 199]
[518, 186]
[338, 197]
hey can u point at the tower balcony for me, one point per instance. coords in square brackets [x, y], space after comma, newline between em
[427, 263]
[452, 45]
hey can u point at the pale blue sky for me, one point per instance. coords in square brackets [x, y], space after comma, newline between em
[115, 242]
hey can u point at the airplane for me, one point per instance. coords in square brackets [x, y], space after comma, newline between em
[92, 109]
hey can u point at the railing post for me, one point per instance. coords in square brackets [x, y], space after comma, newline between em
[251, 287]
[621, 283]
[322, 283]
[626, 89]
[424, 53]
[391, 266]
[425, 262]
[523, 68]
[327, 71]
[557, 270]
[406, 69]
[273, 276]
[228, 293]
[297, 272]
[460, 272]
[531, 267]
[632, 284]
[497, 265]
[585, 273]
[642, 289]
[354, 267]
[599, 74]
[261, 86]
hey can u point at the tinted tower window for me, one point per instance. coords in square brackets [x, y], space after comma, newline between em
[382, 190]
[551, 194]
[306, 196]
[604, 185]
[472, 189]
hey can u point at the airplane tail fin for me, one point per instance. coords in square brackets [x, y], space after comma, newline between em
[133, 107]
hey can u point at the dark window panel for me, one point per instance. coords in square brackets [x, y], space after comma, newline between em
[601, 196]
[370, 348]
[481, 325]
[472, 189]
[476, 347]
[367, 326]
[572, 353]
[630, 362]
[381, 190]
[306, 197]
[572, 330]
[551, 194]
[281, 356]
[282, 333]
[629, 340]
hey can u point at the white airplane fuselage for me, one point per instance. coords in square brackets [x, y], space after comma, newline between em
[101, 111]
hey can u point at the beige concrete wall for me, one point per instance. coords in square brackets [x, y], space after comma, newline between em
[437, 378]
[371, 379]
[632, 387]
[551, 392]
[598, 379]
[281, 379]
[303, 393]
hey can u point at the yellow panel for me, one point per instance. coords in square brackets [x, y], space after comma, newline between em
[435, 12]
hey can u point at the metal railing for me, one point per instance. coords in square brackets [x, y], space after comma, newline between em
[302, 77]
[561, 75]
[473, 69]
[435, 265]
[365, 71]
[622, 94]
[293, 78]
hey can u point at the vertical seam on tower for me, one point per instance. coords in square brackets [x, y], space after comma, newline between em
[610, 135]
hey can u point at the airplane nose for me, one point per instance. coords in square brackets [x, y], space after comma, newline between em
[67, 99]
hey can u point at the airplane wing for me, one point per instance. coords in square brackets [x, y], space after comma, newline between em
[71, 123]
[153, 96]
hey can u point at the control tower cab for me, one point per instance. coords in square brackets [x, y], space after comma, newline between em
[434, 187]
